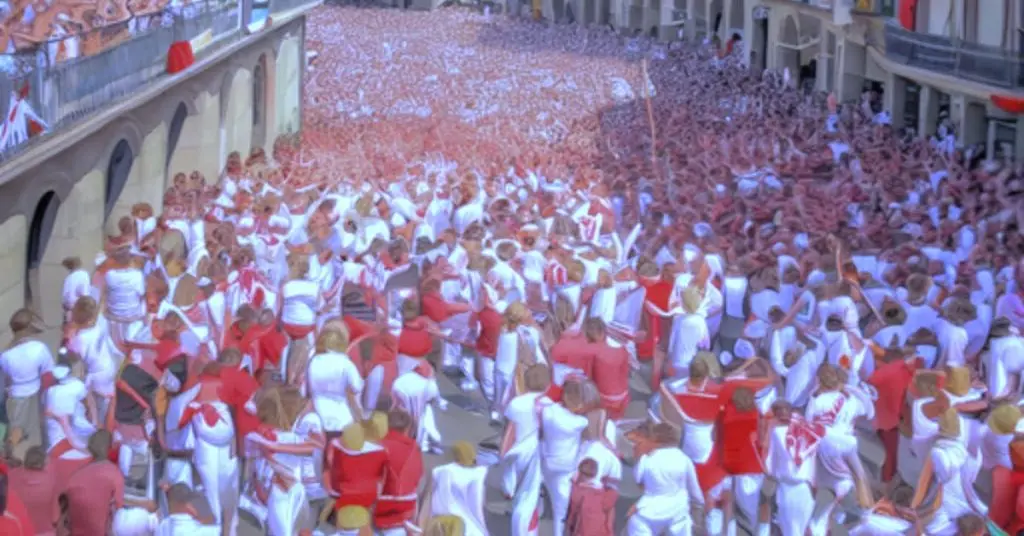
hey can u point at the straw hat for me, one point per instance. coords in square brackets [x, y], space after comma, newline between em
[958, 380]
[893, 313]
[1003, 419]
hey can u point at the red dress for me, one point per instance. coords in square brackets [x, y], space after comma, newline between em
[741, 454]
[356, 476]
[397, 503]
[591, 511]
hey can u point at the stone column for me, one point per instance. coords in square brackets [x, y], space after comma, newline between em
[974, 125]
[896, 99]
[821, 74]
[1018, 146]
[929, 111]
[990, 139]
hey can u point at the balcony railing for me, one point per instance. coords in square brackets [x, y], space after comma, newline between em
[971, 61]
[883, 8]
[106, 65]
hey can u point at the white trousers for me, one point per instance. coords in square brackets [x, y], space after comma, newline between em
[559, 486]
[218, 470]
[795, 504]
[679, 525]
[287, 510]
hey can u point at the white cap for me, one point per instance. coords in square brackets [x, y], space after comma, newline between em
[725, 358]
[744, 349]
[756, 329]
[60, 372]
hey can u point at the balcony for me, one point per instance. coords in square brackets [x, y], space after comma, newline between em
[953, 57]
[874, 8]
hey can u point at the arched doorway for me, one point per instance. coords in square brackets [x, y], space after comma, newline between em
[259, 102]
[118, 169]
[736, 22]
[716, 16]
[173, 136]
[700, 19]
[40, 229]
[788, 51]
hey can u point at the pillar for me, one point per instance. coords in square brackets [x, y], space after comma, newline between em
[821, 74]
[896, 99]
[1018, 146]
[771, 50]
[748, 35]
[929, 111]
[974, 122]
[725, 29]
[990, 139]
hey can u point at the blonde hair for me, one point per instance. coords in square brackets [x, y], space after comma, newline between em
[353, 437]
[464, 454]
[333, 340]
[377, 426]
[280, 407]
[516, 315]
[352, 518]
[298, 266]
[448, 525]
[692, 297]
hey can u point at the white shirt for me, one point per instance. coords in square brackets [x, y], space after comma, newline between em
[24, 364]
[185, 525]
[330, 377]
[669, 482]
[300, 299]
[126, 290]
[560, 441]
[521, 412]
[780, 463]
[76, 285]
[66, 399]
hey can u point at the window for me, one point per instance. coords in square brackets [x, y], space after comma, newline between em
[117, 174]
[969, 32]
[257, 94]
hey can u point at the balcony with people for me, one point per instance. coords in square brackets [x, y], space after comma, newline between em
[959, 38]
[70, 59]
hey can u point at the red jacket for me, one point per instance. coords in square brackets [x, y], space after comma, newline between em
[397, 503]
[355, 476]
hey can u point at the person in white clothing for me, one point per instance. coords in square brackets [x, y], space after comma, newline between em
[561, 428]
[791, 462]
[521, 477]
[333, 382]
[68, 407]
[23, 364]
[457, 489]
[670, 489]
[92, 342]
[182, 518]
[76, 284]
[416, 392]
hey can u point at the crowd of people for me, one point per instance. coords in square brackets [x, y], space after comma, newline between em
[779, 278]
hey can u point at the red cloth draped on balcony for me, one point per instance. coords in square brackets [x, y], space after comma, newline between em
[1014, 105]
[908, 14]
[179, 57]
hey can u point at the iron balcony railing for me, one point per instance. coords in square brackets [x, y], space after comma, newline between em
[883, 8]
[70, 78]
[979, 63]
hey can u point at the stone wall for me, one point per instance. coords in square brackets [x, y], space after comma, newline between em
[219, 101]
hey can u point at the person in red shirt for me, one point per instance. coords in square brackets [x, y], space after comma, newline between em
[451, 316]
[490, 320]
[740, 440]
[371, 344]
[396, 506]
[416, 339]
[245, 333]
[571, 355]
[37, 488]
[14, 517]
[591, 504]
[271, 343]
[659, 291]
[610, 369]
[892, 376]
[354, 468]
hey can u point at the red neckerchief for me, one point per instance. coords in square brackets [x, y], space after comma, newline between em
[209, 413]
